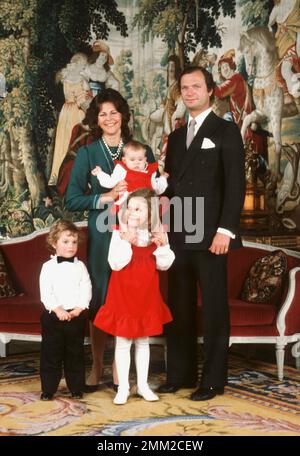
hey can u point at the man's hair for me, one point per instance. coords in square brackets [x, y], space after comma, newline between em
[133, 145]
[57, 228]
[210, 84]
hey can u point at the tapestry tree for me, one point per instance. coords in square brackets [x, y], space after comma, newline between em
[37, 38]
[255, 13]
[183, 24]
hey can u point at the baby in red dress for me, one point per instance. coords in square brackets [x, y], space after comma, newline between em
[135, 170]
[134, 308]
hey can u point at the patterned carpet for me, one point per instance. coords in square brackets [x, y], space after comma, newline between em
[255, 404]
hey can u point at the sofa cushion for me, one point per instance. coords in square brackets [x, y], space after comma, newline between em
[25, 309]
[244, 313]
[254, 331]
[251, 314]
[6, 286]
[263, 282]
[18, 327]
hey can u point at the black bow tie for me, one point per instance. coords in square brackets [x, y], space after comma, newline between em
[60, 259]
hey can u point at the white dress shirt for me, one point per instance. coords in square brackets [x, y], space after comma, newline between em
[120, 252]
[66, 285]
[199, 121]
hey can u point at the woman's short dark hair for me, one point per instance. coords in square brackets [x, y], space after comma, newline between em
[120, 104]
[210, 84]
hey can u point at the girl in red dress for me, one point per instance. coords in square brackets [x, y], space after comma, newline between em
[134, 308]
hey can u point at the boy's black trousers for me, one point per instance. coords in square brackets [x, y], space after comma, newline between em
[62, 346]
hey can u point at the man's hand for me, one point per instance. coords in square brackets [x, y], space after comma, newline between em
[220, 244]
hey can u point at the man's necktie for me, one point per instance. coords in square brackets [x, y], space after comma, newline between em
[60, 259]
[190, 133]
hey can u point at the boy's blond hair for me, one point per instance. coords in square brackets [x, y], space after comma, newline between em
[57, 228]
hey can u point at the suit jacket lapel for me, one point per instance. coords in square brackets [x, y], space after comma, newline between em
[206, 129]
[180, 150]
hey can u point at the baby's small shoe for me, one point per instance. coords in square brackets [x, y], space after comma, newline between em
[147, 394]
[121, 396]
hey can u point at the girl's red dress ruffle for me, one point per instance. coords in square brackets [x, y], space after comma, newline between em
[134, 306]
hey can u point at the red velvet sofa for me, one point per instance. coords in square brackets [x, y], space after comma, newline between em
[20, 315]
[277, 323]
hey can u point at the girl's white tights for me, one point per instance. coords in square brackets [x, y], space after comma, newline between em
[122, 360]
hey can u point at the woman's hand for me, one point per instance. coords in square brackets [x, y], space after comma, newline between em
[113, 194]
[121, 187]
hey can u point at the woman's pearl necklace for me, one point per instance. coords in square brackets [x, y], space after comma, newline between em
[114, 155]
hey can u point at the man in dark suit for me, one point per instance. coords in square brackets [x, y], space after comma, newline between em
[204, 159]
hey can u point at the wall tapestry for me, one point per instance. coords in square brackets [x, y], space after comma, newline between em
[55, 55]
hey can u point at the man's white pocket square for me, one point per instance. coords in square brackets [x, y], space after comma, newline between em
[207, 144]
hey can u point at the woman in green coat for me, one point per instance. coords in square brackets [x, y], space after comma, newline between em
[111, 116]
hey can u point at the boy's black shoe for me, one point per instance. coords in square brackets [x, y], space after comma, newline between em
[169, 387]
[76, 394]
[46, 397]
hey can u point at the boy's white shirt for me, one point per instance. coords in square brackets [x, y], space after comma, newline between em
[159, 184]
[120, 253]
[66, 285]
